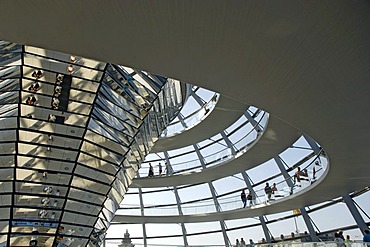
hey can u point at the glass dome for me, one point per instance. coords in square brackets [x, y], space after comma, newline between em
[211, 211]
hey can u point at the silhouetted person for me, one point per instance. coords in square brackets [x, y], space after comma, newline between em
[243, 197]
[151, 172]
[159, 169]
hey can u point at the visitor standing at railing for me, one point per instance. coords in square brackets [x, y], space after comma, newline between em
[151, 172]
[297, 176]
[159, 169]
[250, 198]
[340, 232]
[348, 241]
[243, 197]
[242, 243]
[268, 192]
[273, 188]
[338, 240]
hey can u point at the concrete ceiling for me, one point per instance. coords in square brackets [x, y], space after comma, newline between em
[305, 62]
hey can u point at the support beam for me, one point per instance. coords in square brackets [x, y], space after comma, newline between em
[226, 238]
[355, 213]
[265, 229]
[166, 157]
[218, 209]
[184, 234]
[214, 197]
[283, 171]
[198, 99]
[178, 202]
[200, 157]
[181, 119]
[312, 144]
[247, 181]
[252, 121]
[142, 214]
[228, 142]
[307, 221]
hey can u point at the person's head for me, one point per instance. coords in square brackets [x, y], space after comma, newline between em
[348, 237]
[274, 184]
[243, 190]
[298, 168]
[366, 231]
[267, 184]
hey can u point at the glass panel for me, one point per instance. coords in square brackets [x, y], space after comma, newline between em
[90, 185]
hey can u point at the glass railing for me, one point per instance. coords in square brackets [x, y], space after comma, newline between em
[315, 166]
[190, 121]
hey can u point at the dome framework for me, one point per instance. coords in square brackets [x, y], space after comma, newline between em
[297, 60]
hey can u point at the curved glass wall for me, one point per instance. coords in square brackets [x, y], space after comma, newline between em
[200, 103]
[229, 198]
[216, 150]
[287, 226]
[224, 195]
